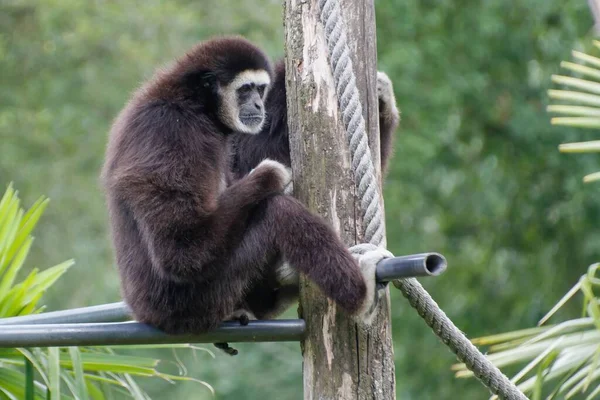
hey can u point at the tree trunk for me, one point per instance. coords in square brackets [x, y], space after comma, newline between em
[342, 360]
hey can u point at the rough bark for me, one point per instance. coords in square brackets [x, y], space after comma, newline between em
[342, 360]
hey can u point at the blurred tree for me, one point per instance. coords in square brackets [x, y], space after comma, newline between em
[476, 173]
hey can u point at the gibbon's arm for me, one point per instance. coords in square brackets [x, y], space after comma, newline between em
[389, 118]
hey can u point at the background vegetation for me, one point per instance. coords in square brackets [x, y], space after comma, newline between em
[476, 174]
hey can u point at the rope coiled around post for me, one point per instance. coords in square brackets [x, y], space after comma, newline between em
[368, 189]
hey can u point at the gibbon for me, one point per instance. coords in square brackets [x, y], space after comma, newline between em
[191, 238]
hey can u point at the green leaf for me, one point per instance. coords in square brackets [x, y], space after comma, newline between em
[35, 362]
[135, 389]
[12, 302]
[581, 69]
[591, 146]
[94, 392]
[580, 122]
[591, 177]
[29, 378]
[585, 98]
[48, 277]
[9, 277]
[561, 302]
[541, 372]
[12, 382]
[30, 306]
[7, 233]
[586, 58]
[28, 223]
[54, 372]
[581, 111]
[7, 199]
[76, 363]
[582, 84]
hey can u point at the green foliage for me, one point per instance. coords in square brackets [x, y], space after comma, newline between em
[16, 226]
[562, 359]
[476, 175]
[15, 242]
[88, 372]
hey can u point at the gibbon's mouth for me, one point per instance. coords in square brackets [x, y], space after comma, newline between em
[251, 120]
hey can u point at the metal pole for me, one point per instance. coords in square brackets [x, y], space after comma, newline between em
[424, 264]
[112, 312]
[128, 333]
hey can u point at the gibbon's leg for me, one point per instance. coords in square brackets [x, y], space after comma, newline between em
[307, 243]
[217, 298]
[310, 246]
[281, 224]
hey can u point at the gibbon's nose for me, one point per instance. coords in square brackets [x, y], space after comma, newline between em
[258, 106]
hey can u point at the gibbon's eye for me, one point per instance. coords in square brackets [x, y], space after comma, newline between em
[261, 89]
[246, 88]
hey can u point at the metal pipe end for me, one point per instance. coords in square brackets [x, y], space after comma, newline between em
[435, 264]
[414, 265]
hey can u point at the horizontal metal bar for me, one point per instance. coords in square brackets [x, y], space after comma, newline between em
[424, 264]
[128, 333]
[112, 312]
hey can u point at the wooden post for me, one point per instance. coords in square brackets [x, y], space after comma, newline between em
[342, 360]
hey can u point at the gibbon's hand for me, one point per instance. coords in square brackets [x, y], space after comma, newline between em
[368, 255]
[385, 92]
[282, 173]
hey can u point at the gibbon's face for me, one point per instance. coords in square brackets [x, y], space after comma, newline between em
[243, 107]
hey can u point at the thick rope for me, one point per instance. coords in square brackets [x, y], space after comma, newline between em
[366, 181]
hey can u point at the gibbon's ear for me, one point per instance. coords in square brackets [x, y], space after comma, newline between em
[208, 79]
[204, 80]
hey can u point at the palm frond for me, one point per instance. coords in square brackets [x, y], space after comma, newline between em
[564, 356]
[578, 104]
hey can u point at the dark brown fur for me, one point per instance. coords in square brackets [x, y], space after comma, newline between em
[187, 252]
[268, 298]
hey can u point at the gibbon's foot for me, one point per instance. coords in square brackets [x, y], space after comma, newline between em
[226, 348]
[368, 256]
[244, 319]
[283, 173]
[242, 316]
